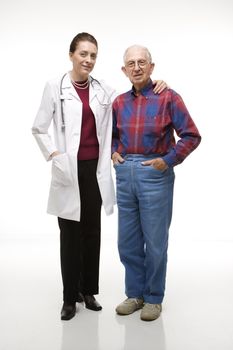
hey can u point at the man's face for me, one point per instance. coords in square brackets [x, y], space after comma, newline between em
[138, 67]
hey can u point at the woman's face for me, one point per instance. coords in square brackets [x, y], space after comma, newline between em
[83, 60]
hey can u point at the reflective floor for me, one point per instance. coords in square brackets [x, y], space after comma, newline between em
[197, 310]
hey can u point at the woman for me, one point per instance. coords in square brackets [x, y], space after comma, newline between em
[80, 109]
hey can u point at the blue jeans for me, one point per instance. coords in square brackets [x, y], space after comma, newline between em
[144, 199]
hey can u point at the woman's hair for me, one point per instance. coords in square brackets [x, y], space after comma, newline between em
[82, 37]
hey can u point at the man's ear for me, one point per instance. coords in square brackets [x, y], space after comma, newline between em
[152, 68]
[124, 70]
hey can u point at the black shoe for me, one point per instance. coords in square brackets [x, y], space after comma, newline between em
[68, 311]
[91, 303]
[80, 298]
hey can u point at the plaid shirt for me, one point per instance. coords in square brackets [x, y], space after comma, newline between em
[145, 124]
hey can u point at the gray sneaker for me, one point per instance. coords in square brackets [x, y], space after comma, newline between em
[150, 312]
[129, 305]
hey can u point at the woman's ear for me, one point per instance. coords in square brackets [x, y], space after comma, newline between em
[71, 55]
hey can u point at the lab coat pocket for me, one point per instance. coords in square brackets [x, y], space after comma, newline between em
[61, 170]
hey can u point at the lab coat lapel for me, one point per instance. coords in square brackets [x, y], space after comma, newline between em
[68, 89]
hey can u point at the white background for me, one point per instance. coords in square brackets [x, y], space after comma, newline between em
[191, 44]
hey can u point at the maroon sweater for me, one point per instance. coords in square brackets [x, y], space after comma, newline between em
[89, 146]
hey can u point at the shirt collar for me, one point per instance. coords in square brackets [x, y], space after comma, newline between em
[145, 90]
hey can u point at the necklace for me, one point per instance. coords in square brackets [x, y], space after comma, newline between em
[81, 86]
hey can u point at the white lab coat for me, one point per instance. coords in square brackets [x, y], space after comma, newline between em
[64, 196]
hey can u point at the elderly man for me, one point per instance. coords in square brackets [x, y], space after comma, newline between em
[144, 153]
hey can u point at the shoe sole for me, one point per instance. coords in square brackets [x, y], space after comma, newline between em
[148, 320]
[93, 309]
[67, 318]
[129, 313]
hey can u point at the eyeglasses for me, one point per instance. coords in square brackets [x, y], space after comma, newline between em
[139, 63]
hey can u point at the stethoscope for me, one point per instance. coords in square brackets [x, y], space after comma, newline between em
[62, 98]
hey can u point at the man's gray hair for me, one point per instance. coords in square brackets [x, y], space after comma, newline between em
[141, 47]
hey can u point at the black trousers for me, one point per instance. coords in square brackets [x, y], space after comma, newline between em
[80, 241]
